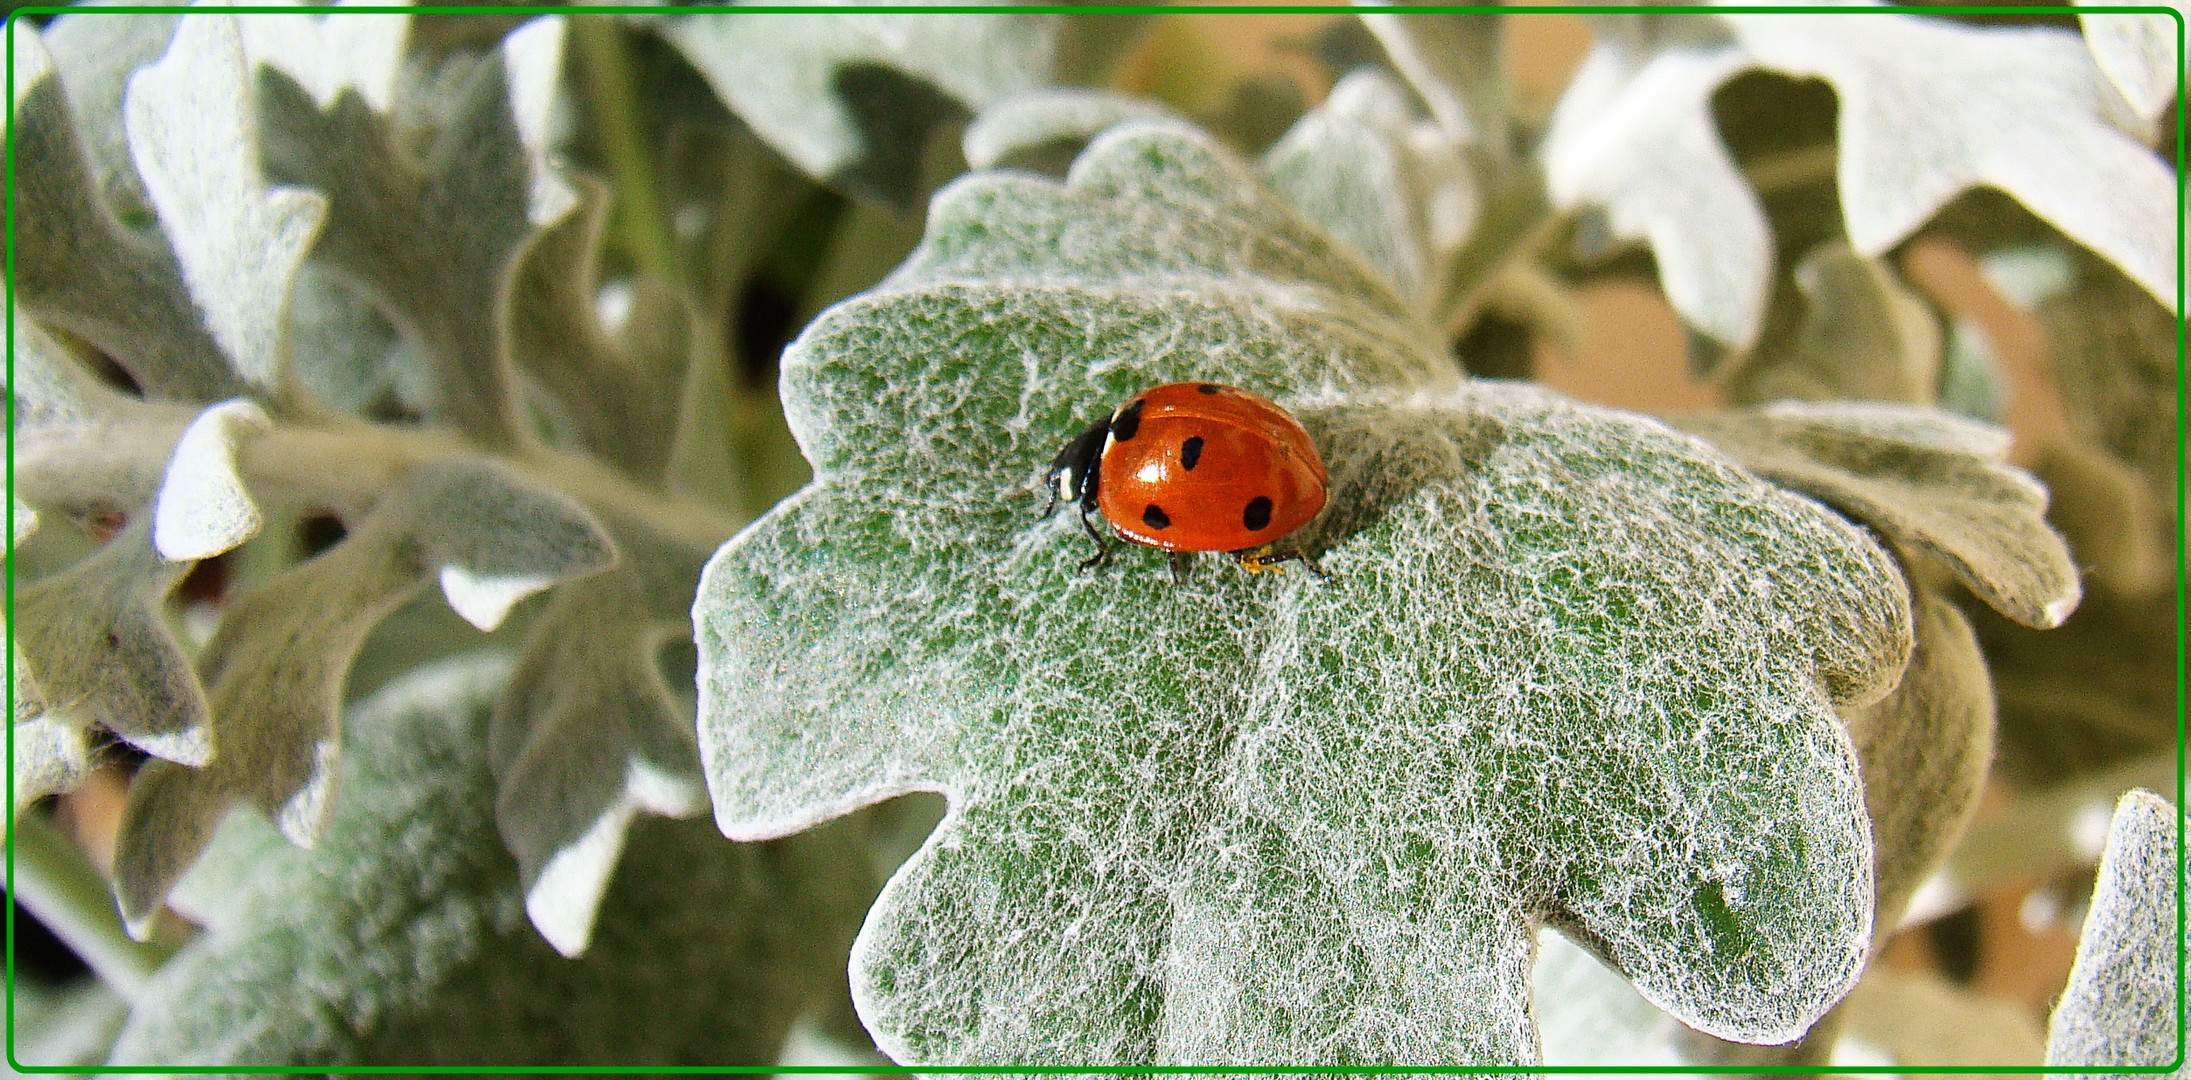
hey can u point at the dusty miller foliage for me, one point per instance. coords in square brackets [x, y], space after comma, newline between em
[400, 477]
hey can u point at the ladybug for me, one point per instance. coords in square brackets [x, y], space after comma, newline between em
[1189, 467]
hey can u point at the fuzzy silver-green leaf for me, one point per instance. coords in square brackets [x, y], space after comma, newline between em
[1570, 666]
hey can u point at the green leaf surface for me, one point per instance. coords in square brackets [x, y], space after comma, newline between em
[2122, 1005]
[401, 939]
[1569, 666]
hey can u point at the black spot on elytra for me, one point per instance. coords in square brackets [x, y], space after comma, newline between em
[1257, 516]
[1155, 517]
[1126, 422]
[1210, 388]
[1190, 452]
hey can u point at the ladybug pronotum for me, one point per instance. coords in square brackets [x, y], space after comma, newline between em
[1189, 467]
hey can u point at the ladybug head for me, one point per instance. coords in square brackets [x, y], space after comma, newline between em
[1074, 472]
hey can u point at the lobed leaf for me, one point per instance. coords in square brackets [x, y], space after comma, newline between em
[497, 538]
[430, 241]
[853, 98]
[1925, 749]
[1018, 128]
[203, 508]
[1633, 134]
[2138, 53]
[590, 734]
[2122, 1005]
[79, 269]
[1863, 336]
[1933, 108]
[1393, 189]
[400, 940]
[611, 395]
[95, 53]
[98, 649]
[193, 133]
[49, 756]
[1931, 483]
[277, 660]
[1456, 61]
[1248, 821]
[1928, 109]
[362, 51]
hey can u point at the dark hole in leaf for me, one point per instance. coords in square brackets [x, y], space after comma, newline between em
[1958, 943]
[896, 115]
[1762, 115]
[106, 523]
[1340, 47]
[1499, 346]
[765, 325]
[110, 752]
[1052, 158]
[770, 301]
[110, 371]
[319, 532]
[390, 409]
[40, 955]
[678, 663]
[1259, 112]
[206, 582]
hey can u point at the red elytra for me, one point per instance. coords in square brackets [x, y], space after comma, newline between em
[1189, 467]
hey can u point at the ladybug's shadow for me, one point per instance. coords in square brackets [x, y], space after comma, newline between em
[1380, 456]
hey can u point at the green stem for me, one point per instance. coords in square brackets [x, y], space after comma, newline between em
[51, 877]
[642, 224]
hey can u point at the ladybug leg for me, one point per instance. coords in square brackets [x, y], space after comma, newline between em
[1267, 559]
[1182, 566]
[1103, 547]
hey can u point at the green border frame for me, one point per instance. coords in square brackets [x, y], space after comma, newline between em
[1301, 9]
